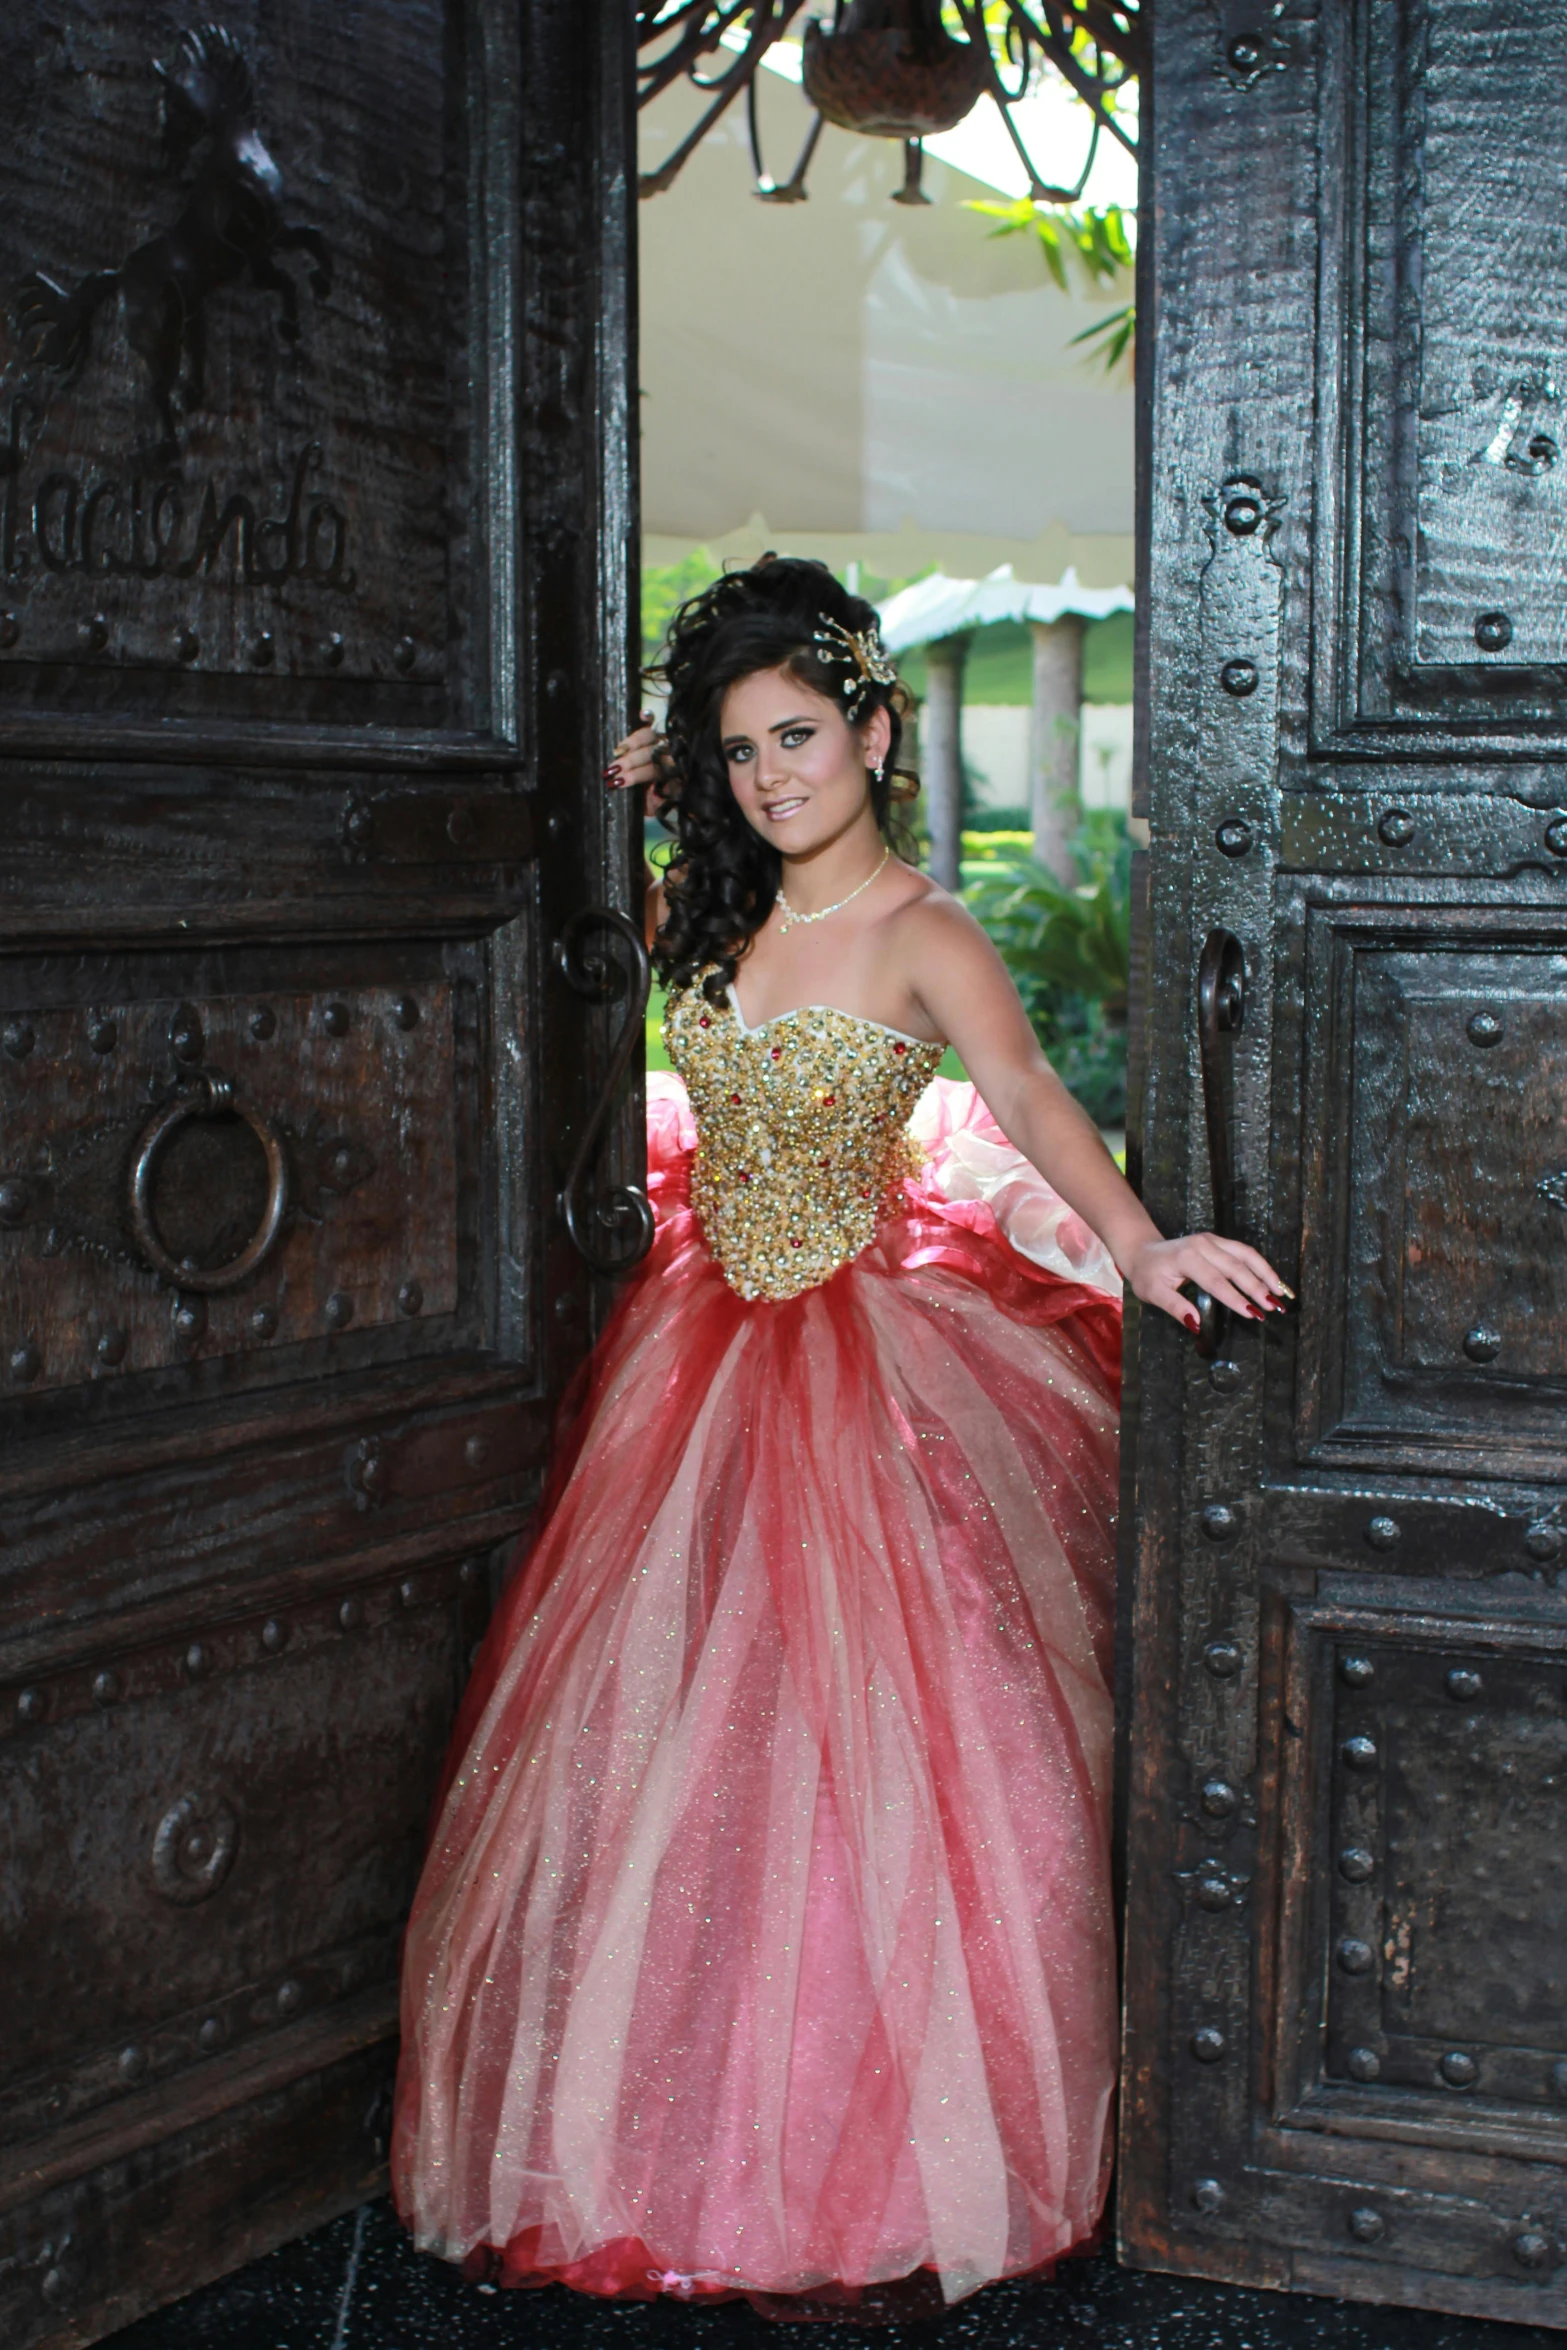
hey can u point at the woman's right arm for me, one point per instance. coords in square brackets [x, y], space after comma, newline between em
[955, 974]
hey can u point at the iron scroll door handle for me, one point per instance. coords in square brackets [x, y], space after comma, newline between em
[1221, 1008]
[209, 1097]
[598, 976]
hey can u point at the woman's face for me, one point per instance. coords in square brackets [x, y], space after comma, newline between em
[796, 765]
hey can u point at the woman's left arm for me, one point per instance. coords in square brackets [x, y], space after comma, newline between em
[963, 986]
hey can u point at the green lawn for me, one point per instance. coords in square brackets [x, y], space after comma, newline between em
[657, 1058]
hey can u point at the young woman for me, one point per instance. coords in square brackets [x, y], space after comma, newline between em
[764, 1943]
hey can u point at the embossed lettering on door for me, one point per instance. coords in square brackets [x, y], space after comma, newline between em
[315, 551]
[1347, 2008]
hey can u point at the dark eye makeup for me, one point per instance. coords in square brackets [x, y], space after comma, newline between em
[791, 738]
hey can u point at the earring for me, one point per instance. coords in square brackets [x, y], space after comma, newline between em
[877, 768]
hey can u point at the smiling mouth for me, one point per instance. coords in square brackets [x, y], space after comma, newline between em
[777, 810]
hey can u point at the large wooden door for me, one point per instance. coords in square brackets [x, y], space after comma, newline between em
[1347, 1991]
[316, 546]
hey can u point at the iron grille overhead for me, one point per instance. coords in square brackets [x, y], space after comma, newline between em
[899, 69]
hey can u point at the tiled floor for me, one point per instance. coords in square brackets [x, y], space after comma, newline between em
[358, 2285]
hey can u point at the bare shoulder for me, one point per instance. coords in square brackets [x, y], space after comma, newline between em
[949, 967]
[927, 920]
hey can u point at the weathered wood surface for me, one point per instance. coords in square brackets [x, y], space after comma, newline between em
[306, 668]
[1346, 2012]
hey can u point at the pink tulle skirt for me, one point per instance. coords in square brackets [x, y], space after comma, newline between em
[764, 1942]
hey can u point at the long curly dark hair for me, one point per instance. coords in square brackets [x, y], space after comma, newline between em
[782, 613]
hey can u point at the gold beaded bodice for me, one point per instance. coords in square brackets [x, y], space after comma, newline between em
[802, 1135]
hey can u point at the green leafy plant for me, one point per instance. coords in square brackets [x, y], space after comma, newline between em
[1095, 237]
[1068, 951]
[665, 587]
[1061, 941]
[1094, 240]
[1119, 332]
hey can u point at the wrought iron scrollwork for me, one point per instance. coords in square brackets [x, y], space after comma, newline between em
[613, 1230]
[892, 69]
[1221, 1009]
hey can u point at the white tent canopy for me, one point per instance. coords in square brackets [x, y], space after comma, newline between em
[867, 381]
[941, 607]
[892, 387]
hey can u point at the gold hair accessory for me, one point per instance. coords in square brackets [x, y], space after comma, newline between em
[865, 650]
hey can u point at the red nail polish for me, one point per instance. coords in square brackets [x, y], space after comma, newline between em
[612, 775]
[1192, 1321]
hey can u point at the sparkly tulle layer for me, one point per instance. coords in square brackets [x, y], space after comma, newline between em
[764, 1942]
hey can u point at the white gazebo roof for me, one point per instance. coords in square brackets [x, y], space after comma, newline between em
[938, 606]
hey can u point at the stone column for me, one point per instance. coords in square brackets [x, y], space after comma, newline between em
[941, 747]
[1053, 741]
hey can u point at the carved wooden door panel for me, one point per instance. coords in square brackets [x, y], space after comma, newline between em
[1347, 1995]
[316, 542]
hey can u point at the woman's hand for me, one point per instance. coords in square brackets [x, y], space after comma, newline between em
[1227, 1269]
[953, 973]
[639, 762]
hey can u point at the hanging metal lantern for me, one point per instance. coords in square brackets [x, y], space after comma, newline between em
[891, 71]
[890, 68]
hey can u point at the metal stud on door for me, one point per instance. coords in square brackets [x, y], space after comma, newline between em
[1345, 2048]
[316, 608]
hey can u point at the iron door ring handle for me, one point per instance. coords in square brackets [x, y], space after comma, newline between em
[210, 1098]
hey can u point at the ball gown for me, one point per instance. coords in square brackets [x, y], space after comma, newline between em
[764, 1941]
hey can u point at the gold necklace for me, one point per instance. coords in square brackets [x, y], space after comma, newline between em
[791, 917]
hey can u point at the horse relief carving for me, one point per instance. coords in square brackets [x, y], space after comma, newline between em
[231, 226]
